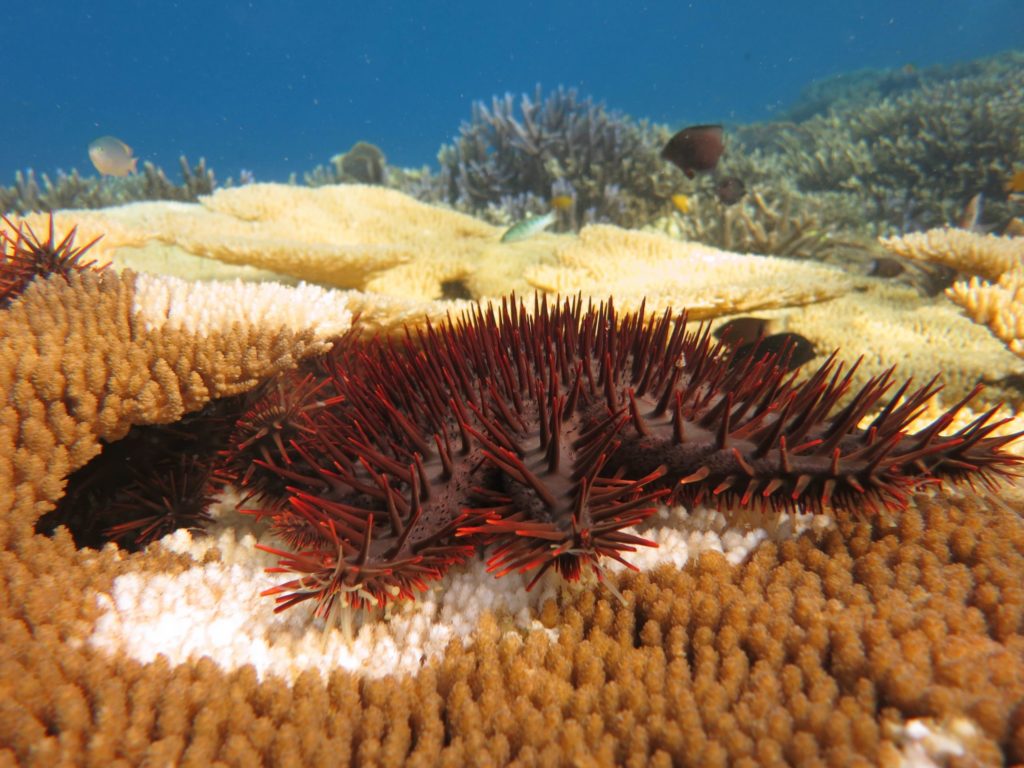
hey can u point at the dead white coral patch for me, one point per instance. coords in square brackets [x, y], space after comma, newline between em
[215, 609]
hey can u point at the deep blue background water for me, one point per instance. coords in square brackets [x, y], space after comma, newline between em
[274, 86]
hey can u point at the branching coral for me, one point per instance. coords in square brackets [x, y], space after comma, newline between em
[75, 191]
[779, 228]
[913, 160]
[984, 256]
[512, 158]
[846, 91]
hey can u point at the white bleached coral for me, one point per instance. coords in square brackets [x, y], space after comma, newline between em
[214, 608]
[202, 308]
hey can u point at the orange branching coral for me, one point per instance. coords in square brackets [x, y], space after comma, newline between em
[85, 356]
[815, 651]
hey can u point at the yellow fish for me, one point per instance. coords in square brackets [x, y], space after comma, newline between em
[561, 202]
[1015, 183]
[681, 203]
[112, 157]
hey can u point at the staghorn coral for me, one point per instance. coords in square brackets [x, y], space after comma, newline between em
[783, 227]
[75, 191]
[775, 217]
[504, 158]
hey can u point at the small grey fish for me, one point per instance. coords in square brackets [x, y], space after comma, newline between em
[528, 227]
[112, 157]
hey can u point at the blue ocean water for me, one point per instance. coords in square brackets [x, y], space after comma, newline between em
[275, 88]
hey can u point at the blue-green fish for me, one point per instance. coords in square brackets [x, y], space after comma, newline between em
[528, 227]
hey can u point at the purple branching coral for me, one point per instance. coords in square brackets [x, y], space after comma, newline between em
[509, 162]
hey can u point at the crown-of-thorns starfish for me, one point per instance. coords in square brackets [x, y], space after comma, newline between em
[544, 435]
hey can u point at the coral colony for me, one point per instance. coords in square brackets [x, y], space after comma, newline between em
[542, 436]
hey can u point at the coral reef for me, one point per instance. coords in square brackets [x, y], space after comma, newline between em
[786, 226]
[886, 322]
[855, 643]
[854, 90]
[852, 168]
[84, 357]
[818, 649]
[985, 256]
[812, 651]
[70, 190]
[999, 306]
[364, 163]
[913, 160]
[149, 483]
[642, 266]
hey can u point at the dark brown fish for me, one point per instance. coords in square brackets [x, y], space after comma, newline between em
[886, 266]
[694, 149]
[741, 330]
[730, 190]
[792, 346]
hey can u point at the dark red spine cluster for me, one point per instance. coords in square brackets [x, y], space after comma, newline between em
[24, 257]
[543, 435]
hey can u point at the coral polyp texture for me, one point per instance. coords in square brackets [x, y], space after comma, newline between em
[545, 435]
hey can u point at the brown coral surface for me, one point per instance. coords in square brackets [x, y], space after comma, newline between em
[806, 654]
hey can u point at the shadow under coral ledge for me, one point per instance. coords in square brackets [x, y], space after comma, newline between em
[836, 646]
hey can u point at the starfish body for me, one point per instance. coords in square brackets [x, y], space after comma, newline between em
[544, 435]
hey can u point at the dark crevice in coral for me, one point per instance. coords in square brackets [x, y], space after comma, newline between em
[455, 289]
[151, 482]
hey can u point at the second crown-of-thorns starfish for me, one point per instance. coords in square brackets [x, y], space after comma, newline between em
[544, 435]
